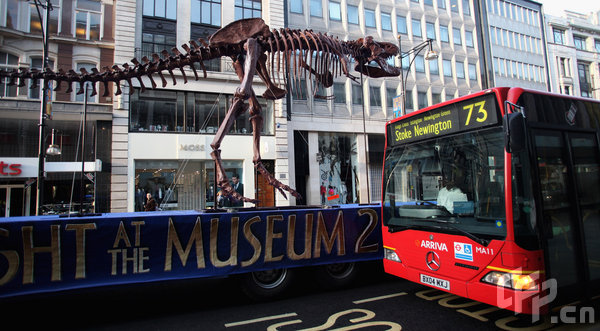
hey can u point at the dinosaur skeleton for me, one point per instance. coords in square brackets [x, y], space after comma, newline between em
[294, 55]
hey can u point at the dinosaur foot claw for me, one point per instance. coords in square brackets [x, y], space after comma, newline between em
[281, 187]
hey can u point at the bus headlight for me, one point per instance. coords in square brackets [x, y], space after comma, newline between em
[390, 254]
[510, 280]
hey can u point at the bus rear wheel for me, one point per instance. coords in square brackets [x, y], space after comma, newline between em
[337, 275]
[267, 284]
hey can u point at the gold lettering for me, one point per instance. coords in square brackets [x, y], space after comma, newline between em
[121, 235]
[126, 259]
[113, 253]
[373, 220]
[29, 250]
[425, 295]
[291, 252]
[12, 257]
[80, 246]
[137, 226]
[479, 314]
[143, 257]
[446, 302]
[173, 240]
[252, 240]
[214, 236]
[336, 233]
[270, 235]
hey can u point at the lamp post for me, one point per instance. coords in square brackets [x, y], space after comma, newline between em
[42, 124]
[429, 55]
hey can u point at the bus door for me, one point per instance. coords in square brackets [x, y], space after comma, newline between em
[568, 168]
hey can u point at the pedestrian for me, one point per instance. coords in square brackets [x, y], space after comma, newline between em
[139, 199]
[239, 188]
[151, 204]
[323, 191]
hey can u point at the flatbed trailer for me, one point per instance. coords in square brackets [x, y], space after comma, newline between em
[263, 247]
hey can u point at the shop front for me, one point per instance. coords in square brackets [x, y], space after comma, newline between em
[179, 173]
[62, 193]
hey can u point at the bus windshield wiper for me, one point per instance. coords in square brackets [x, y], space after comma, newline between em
[397, 227]
[448, 224]
[436, 206]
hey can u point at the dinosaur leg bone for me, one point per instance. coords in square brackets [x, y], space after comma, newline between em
[257, 124]
[243, 92]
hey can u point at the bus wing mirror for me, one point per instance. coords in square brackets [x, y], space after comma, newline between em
[514, 132]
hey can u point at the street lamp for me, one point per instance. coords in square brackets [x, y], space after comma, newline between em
[430, 54]
[44, 86]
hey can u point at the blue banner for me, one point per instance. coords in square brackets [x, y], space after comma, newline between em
[52, 253]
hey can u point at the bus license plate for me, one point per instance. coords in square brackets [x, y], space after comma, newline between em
[440, 283]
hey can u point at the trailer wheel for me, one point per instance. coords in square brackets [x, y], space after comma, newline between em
[267, 284]
[337, 275]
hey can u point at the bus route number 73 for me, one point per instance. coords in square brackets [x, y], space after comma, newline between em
[481, 112]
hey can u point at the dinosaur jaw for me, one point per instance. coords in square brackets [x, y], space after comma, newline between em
[384, 69]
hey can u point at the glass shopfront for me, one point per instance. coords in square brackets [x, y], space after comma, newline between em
[338, 168]
[179, 184]
[190, 112]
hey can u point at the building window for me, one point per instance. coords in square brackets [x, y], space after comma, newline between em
[416, 28]
[10, 19]
[191, 112]
[597, 45]
[316, 8]
[428, 2]
[335, 11]
[88, 16]
[579, 42]
[472, 72]
[35, 25]
[454, 6]
[444, 35]
[386, 22]
[466, 7]
[352, 14]
[436, 98]
[390, 94]
[559, 36]
[296, 6]
[247, 9]
[401, 24]
[81, 97]
[8, 62]
[583, 70]
[370, 18]
[338, 167]
[422, 99]
[430, 27]
[419, 63]
[36, 63]
[207, 12]
[564, 67]
[456, 36]
[447, 66]
[374, 96]
[405, 62]
[357, 94]
[160, 8]
[433, 67]
[441, 4]
[460, 70]
[155, 42]
[469, 39]
[339, 93]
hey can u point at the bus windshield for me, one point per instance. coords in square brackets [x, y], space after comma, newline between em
[453, 184]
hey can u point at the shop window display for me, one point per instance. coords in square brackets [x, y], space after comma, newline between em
[338, 168]
[179, 184]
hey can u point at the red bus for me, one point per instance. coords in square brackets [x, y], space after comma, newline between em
[495, 197]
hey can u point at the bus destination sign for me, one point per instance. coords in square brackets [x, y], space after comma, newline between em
[466, 115]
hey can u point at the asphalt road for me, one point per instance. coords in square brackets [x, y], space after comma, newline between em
[375, 302]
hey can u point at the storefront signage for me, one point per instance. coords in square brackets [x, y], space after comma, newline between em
[192, 148]
[10, 169]
[49, 253]
[466, 115]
